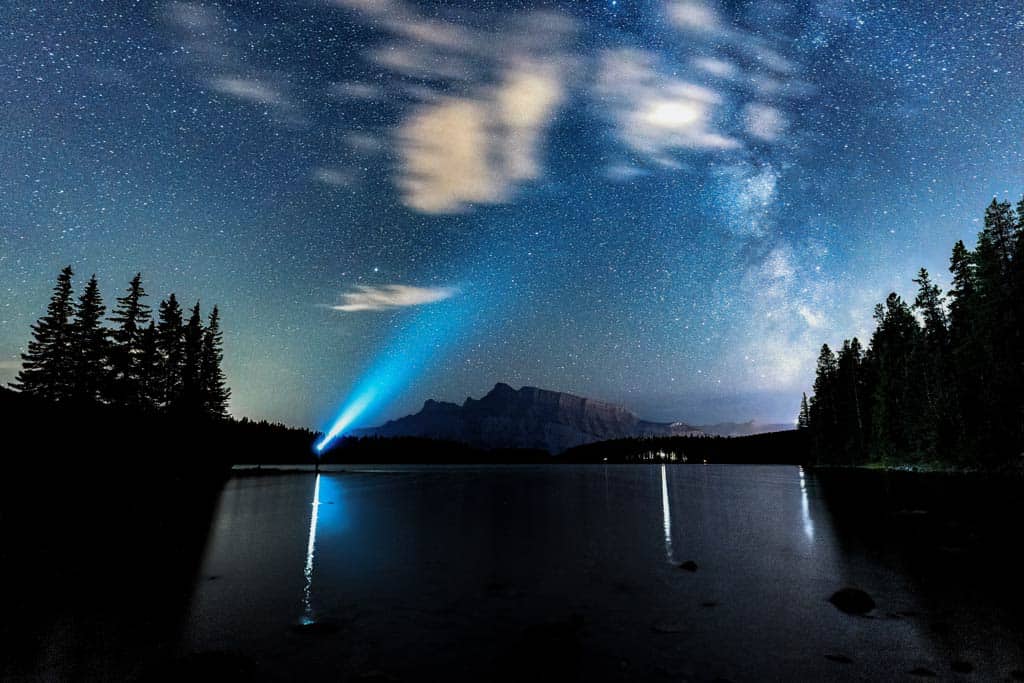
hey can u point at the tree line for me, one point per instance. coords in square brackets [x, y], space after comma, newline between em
[166, 364]
[942, 379]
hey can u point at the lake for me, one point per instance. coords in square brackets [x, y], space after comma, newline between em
[517, 572]
[513, 573]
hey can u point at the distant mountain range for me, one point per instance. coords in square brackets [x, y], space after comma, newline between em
[527, 418]
[745, 428]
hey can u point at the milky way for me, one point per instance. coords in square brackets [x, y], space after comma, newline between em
[665, 204]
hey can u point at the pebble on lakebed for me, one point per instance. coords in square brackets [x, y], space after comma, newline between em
[852, 601]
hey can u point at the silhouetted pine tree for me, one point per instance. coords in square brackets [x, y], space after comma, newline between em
[215, 392]
[150, 367]
[192, 351]
[939, 386]
[47, 362]
[896, 416]
[998, 328]
[90, 348]
[130, 317]
[804, 420]
[170, 343]
[849, 395]
[822, 408]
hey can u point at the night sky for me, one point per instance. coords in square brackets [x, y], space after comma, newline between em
[665, 204]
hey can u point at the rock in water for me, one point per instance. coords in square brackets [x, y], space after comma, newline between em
[852, 601]
[689, 566]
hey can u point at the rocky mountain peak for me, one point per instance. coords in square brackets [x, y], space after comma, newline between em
[529, 417]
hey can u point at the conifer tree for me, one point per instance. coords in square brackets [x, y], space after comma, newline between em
[47, 362]
[895, 404]
[192, 350]
[822, 407]
[215, 392]
[848, 395]
[804, 419]
[1000, 229]
[150, 367]
[89, 349]
[170, 343]
[130, 317]
[939, 386]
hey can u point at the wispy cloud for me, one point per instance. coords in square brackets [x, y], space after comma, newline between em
[211, 46]
[385, 297]
[470, 150]
[764, 122]
[482, 105]
[250, 89]
[355, 90]
[335, 177]
[657, 113]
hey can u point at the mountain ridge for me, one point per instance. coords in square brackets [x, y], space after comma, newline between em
[529, 417]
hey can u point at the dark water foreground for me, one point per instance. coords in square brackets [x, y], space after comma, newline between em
[536, 572]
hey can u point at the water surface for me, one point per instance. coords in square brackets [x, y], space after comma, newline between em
[508, 572]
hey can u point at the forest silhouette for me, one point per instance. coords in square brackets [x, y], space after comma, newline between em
[941, 379]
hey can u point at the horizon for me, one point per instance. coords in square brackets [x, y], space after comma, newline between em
[666, 205]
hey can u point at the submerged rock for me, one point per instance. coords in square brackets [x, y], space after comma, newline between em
[962, 667]
[923, 672]
[841, 659]
[852, 601]
[689, 566]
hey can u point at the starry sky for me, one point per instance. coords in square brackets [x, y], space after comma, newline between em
[667, 204]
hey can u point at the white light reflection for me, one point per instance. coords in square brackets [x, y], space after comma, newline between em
[307, 604]
[666, 513]
[805, 507]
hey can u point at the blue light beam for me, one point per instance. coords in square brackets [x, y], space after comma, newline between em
[415, 348]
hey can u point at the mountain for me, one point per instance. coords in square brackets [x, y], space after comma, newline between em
[526, 418]
[744, 428]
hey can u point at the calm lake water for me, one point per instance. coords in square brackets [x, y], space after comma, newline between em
[568, 572]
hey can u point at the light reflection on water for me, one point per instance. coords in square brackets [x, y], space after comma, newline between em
[805, 508]
[307, 594]
[666, 514]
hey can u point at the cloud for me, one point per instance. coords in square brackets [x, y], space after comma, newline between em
[386, 297]
[622, 172]
[460, 151]
[355, 90]
[192, 16]
[693, 16]
[483, 99]
[656, 113]
[716, 67]
[213, 48]
[334, 177]
[249, 89]
[764, 122]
